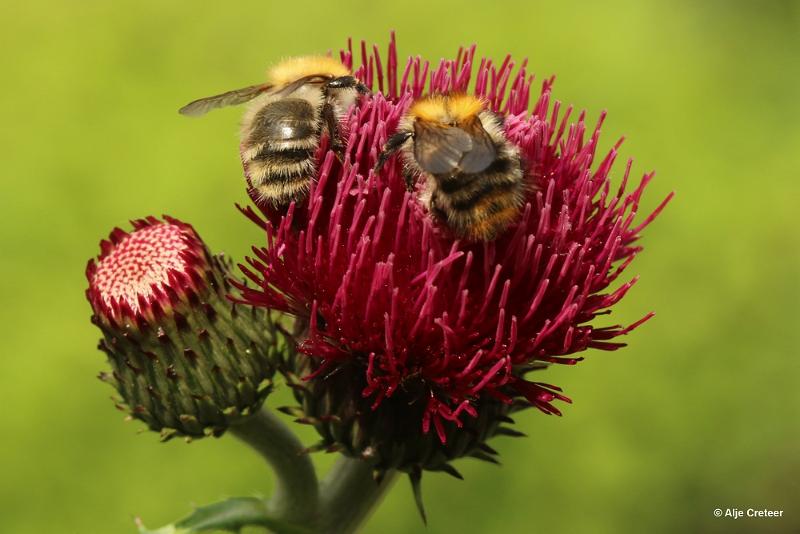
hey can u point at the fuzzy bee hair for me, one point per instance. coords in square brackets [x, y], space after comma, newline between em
[284, 121]
[295, 68]
[473, 179]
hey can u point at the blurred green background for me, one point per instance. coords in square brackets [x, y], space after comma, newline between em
[701, 411]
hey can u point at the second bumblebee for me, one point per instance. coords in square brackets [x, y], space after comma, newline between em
[473, 175]
[283, 124]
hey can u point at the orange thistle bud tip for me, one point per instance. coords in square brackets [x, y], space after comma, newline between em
[142, 273]
[184, 358]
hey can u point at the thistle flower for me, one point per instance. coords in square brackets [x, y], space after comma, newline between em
[184, 359]
[418, 345]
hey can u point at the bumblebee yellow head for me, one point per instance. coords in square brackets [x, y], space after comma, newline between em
[447, 109]
[292, 69]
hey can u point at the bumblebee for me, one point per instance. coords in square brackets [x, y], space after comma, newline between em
[283, 124]
[473, 174]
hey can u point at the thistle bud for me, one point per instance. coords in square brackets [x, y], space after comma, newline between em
[184, 359]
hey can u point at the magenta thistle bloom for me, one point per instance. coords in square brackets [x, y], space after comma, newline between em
[413, 333]
[184, 360]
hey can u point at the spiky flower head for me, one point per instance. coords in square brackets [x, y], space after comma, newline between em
[420, 344]
[184, 359]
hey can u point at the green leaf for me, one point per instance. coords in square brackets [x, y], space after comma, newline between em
[228, 516]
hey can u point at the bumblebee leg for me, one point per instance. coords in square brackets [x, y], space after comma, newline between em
[409, 179]
[392, 145]
[332, 126]
[347, 82]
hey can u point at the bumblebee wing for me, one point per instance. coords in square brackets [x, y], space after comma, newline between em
[439, 149]
[295, 85]
[231, 98]
[483, 151]
[444, 149]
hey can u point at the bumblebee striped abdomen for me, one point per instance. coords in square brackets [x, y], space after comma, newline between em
[278, 149]
[480, 205]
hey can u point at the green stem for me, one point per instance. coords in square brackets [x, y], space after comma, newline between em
[349, 494]
[296, 495]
